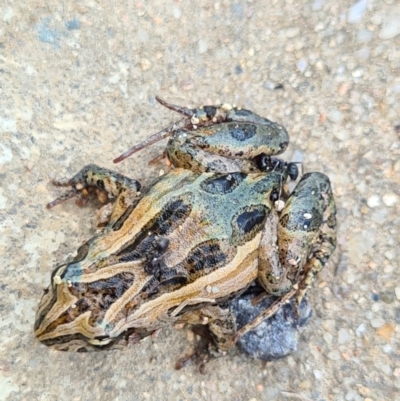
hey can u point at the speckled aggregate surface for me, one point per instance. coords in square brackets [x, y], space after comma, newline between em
[77, 86]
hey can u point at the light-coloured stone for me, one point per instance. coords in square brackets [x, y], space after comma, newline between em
[356, 11]
[7, 124]
[374, 201]
[344, 336]
[202, 46]
[390, 199]
[391, 26]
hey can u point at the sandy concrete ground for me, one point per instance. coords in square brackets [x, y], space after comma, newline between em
[78, 81]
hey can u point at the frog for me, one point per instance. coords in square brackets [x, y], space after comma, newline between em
[178, 250]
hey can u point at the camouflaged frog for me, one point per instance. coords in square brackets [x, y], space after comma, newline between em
[195, 239]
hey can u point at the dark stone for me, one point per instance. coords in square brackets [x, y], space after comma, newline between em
[274, 338]
[238, 69]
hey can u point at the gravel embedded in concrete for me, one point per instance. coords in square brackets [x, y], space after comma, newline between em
[78, 86]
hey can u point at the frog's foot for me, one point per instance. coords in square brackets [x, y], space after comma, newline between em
[204, 351]
[221, 326]
[108, 185]
[267, 163]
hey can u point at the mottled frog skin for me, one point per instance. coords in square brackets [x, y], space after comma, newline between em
[195, 239]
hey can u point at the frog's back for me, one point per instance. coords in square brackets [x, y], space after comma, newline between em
[190, 233]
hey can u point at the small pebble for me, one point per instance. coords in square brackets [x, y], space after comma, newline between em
[202, 46]
[376, 19]
[388, 269]
[387, 349]
[377, 322]
[328, 338]
[356, 12]
[385, 368]
[362, 54]
[317, 5]
[386, 331]
[176, 12]
[390, 199]
[335, 116]
[387, 297]
[344, 336]
[318, 374]
[302, 65]
[391, 27]
[390, 255]
[357, 73]
[292, 32]
[364, 36]
[145, 64]
[379, 215]
[397, 292]
[361, 329]
[375, 297]
[373, 201]
[341, 135]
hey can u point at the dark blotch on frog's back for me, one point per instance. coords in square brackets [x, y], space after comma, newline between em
[103, 293]
[242, 132]
[172, 215]
[247, 223]
[205, 256]
[222, 184]
[249, 219]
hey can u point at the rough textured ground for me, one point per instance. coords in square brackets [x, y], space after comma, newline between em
[78, 81]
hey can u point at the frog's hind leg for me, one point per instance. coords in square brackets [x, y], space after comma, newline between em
[105, 182]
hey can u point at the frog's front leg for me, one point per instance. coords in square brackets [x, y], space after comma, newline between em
[293, 251]
[116, 186]
[220, 321]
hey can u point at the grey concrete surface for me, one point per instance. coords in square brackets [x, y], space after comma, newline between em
[78, 81]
